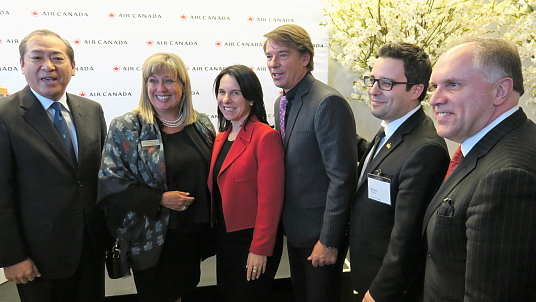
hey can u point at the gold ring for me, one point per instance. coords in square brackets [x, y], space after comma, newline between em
[255, 269]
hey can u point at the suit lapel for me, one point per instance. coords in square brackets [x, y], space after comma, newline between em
[78, 120]
[393, 142]
[297, 103]
[469, 163]
[37, 117]
[240, 144]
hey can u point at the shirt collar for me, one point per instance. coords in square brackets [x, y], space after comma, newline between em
[46, 103]
[393, 126]
[468, 144]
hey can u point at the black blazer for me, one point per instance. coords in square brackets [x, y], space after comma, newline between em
[320, 165]
[386, 246]
[481, 224]
[44, 197]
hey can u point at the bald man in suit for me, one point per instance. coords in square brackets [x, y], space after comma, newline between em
[481, 225]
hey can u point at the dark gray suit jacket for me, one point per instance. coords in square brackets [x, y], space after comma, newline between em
[320, 165]
[386, 246]
[481, 224]
[44, 197]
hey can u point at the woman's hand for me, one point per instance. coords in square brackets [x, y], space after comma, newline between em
[176, 200]
[256, 266]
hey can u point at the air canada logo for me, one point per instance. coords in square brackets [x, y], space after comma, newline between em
[82, 93]
[272, 19]
[77, 41]
[113, 15]
[210, 18]
[150, 43]
[238, 44]
[184, 17]
[208, 68]
[35, 13]
[4, 12]
[251, 19]
[8, 68]
[175, 43]
[105, 42]
[64, 14]
[117, 68]
[109, 93]
[319, 45]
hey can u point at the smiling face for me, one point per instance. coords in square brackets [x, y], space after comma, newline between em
[165, 93]
[286, 65]
[395, 103]
[47, 67]
[463, 102]
[231, 102]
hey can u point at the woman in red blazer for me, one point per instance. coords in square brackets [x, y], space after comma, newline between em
[246, 179]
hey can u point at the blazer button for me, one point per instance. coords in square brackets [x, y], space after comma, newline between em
[78, 213]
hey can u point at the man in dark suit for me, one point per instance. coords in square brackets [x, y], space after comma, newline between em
[398, 176]
[320, 145]
[481, 225]
[52, 235]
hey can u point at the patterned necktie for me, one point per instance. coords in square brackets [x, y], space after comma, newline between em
[455, 161]
[63, 130]
[282, 112]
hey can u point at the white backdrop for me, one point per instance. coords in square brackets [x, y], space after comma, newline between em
[112, 38]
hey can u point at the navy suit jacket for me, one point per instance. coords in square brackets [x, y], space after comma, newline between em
[320, 148]
[481, 225]
[386, 247]
[46, 200]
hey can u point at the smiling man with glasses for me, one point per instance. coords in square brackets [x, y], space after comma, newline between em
[398, 176]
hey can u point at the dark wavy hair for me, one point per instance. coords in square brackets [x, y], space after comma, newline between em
[417, 66]
[251, 90]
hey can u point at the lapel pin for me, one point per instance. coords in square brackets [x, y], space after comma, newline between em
[388, 146]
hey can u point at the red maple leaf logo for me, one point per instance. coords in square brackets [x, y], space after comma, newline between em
[111, 15]
[1, 41]
[251, 67]
[184, 17]
[116, 68]
[218, 43]
[82, 93]
[150, 42]
[35, 13]
[77, 41]
[250, 19]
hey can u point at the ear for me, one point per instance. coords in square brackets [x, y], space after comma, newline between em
[73, 69]
[502, 89]
[305, 59]
[417, 91]
[21, 60]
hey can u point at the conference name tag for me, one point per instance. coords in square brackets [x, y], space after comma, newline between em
[379, 188]
[150, 143]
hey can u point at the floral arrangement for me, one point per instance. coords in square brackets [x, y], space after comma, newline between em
[358, 27]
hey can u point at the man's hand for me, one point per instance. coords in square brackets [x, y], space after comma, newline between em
[322, 255]
[368, 297]
[22, 272]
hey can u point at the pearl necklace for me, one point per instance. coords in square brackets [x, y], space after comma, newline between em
[171, 124]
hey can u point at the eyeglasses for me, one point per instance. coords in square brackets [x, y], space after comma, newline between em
[383, 84]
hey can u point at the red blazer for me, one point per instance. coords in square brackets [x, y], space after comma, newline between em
[251, 183]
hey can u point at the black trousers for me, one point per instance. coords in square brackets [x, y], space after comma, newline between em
[231, 255]
[86, 285]
[315, 284]
[178, 270]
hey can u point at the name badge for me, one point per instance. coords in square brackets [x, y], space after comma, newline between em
[379, 188]
[150, 143]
